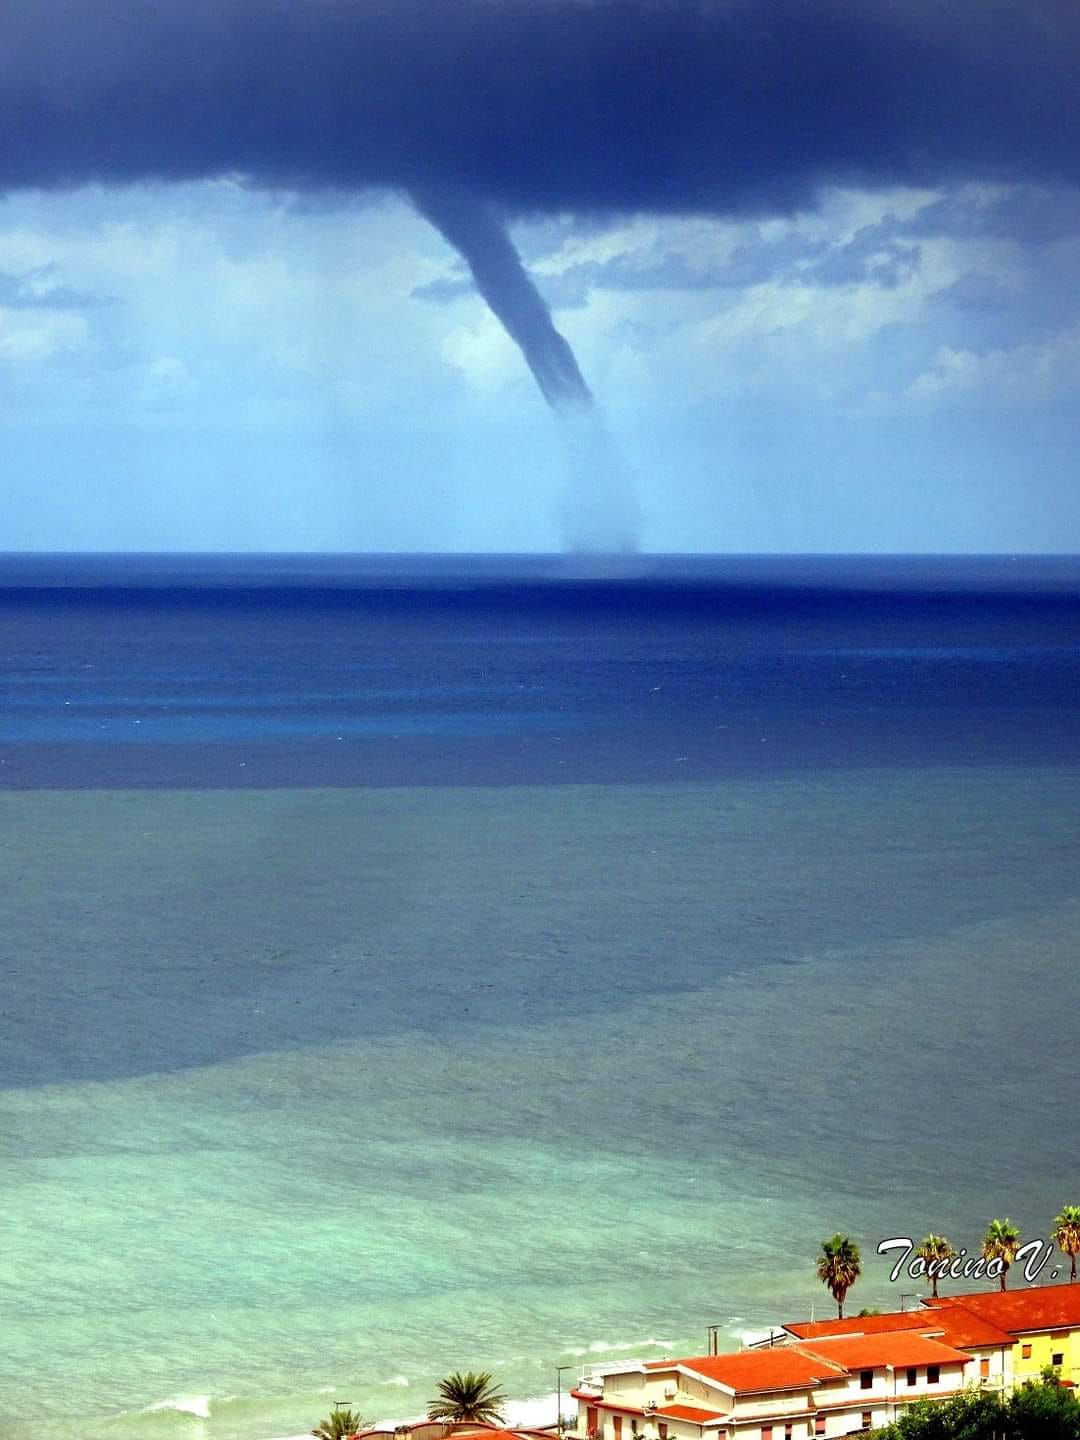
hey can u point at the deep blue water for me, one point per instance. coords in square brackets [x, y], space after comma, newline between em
[299, 670]
[315, 966]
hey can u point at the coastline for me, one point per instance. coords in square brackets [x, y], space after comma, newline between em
[535, 1413]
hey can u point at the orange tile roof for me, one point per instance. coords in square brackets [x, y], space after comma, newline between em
[957, 1326]
[862, 1324]
[966, 1330]
[1043, 1307]
[873, 1352]
[750, 1370]
[690, 1412]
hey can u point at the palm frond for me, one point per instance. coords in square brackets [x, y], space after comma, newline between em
[1066, 1235]
[339, 1424]
[839, 1266]
[468, 1395]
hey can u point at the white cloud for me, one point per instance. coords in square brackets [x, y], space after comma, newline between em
[283, 317]
[1024, 376]
[168, 384]
[484, 354]
[295, 333]
[32, 336]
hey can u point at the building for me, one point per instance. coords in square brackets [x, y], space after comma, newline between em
[1042, 1322]
[838, 1385]
[988, 1346]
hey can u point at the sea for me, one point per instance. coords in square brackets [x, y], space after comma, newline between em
[511, 963]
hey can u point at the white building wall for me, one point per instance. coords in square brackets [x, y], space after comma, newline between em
[843, 1402]
[888, 1386]
[782, 1403]
[1000, 1366]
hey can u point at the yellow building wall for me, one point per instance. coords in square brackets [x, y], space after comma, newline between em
[1043, 1348]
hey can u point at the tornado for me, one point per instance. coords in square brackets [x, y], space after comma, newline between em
[475, 230]
[598, 512]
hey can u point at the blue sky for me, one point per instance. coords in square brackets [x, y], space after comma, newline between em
[869, 361]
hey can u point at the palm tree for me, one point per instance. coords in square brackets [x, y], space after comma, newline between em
[468, 1396]
[339, 1425]
[839, 1267]
[935, 1250]
[1001, 1242]
[1066, 1235]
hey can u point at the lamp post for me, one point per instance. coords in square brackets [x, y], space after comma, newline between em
[558, 1393]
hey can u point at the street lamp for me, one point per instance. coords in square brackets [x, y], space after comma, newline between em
[558, 1391]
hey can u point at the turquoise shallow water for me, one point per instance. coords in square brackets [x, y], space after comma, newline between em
[373, 1084]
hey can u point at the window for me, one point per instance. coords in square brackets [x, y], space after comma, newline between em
[866, 1379]
[766, 1432]
[819, 1424]
[1025, 1352]
[933, 1374]
[984, 1369]
[912, 1375]
[662, 1428]
[789, 1430]
[1058, 1357]
[867, 1419]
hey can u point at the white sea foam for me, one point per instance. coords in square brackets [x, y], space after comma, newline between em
[185, 1404]
[530, 1413]
[534, 1411]
[750, 1338]
[402, 1380]
[597, 1347]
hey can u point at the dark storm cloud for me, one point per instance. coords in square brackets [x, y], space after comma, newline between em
[580, 105]
[875, 255]
[1025, 213]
